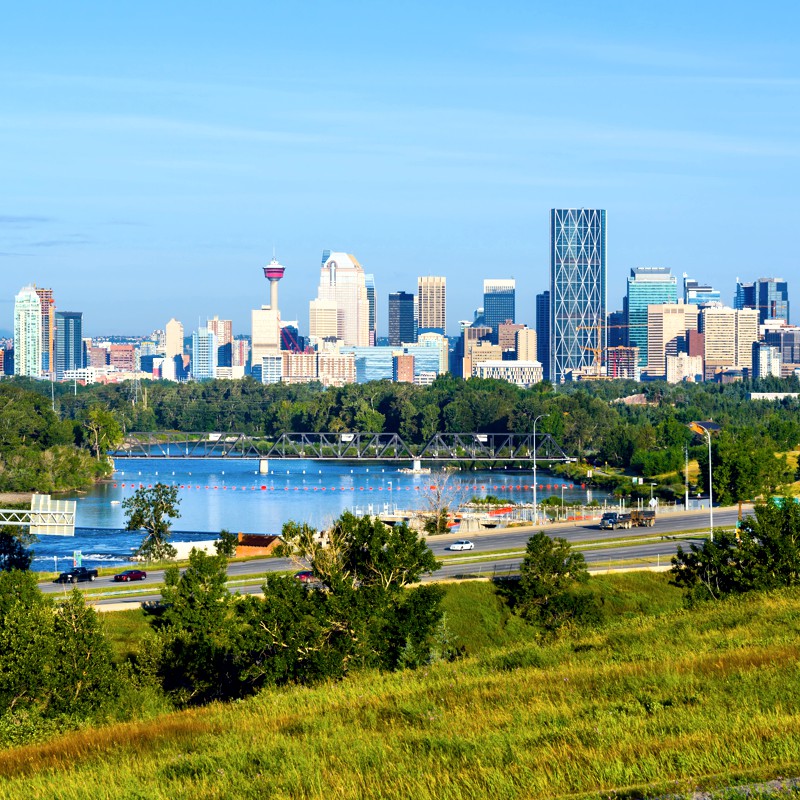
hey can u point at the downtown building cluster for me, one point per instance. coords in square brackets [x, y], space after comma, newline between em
[661, 333]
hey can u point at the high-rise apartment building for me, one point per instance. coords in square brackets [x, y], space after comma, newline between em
[343, 282]
[323, 320]
[122, 357]
[204, 354]
[499, 303]
[647, 286]
[728, 336]
[28, 333]
[48, 329]
[223, 330]
[403, 368]
[577, 290]
[507, 339]
[69, 342]
[527, 345]
[369, 279]
[432, 303]
[769, 296]
[401, 318]
[667, 326]
[543, 332]
[173, 339]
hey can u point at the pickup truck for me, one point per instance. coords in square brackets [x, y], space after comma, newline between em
[76, 574]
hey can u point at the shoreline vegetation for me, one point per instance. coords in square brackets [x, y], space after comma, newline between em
[656, 700]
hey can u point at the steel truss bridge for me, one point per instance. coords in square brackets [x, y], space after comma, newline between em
[343, 446]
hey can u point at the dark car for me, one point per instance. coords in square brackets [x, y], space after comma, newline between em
[131, 575]
[77, 574]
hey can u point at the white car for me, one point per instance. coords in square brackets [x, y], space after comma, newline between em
[462, 544]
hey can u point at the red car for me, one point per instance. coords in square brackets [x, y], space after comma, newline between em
[131, 575]
[305, 576]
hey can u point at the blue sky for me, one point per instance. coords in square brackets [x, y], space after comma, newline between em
[152, 154]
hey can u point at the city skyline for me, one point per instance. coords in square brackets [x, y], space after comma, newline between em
[428, 149]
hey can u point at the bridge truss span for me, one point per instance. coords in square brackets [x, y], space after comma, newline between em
[331, 446]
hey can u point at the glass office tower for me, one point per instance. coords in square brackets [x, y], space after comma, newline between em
[543, 332]
[401, 319]
[499, 300]
[647, 286]
[577, 290]
[69, 341]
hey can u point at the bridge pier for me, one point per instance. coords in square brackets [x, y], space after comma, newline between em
[263, 466]
[417, 465]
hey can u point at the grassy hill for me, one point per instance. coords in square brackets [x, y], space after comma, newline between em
[656, 701]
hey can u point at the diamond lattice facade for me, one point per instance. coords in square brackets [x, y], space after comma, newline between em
[577, 290]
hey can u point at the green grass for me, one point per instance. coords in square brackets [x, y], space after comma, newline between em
[655, 702]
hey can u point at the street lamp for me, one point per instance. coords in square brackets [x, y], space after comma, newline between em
[391, 498]
[651, 490]
[705, 428]
[563, 515]
[535, 487]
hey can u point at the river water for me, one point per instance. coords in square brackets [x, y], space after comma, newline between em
[217, 494]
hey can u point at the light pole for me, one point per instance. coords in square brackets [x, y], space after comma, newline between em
[535, 487]
[700, 428]
[391, 498]
[651, 490]
[563, 515]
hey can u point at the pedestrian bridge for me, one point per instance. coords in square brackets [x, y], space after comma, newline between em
[343, 447]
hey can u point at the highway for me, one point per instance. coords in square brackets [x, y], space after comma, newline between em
[623, 546]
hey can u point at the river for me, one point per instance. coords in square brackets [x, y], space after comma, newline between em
[217, 494]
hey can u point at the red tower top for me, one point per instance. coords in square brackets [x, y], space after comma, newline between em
[274, 271]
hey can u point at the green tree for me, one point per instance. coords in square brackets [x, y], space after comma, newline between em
[197, 653]
[26, 643]
[550, 577]
[83, 670]
[763, 554]
[152, 510]
[226, 544]
[102, 429]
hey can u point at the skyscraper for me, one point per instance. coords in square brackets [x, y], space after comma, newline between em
[204, 354]
[342, 280]
[770, 296]
[699, 294]
[373, 311]
[48, 329]
[647, 286]
[401, 318]
[28, 333]
[668, 324]
[223, 330]
[543, 332]
[432, 303]
[69, 342]
[498, 303]
[577, 290]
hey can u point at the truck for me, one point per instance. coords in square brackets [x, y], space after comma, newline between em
[643, 517]
[615, 519]
[77, 574]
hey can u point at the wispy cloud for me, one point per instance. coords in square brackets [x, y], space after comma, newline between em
[73, 239]
[14, 221]
[613, 52]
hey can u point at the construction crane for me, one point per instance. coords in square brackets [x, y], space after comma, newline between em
[597, 350]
